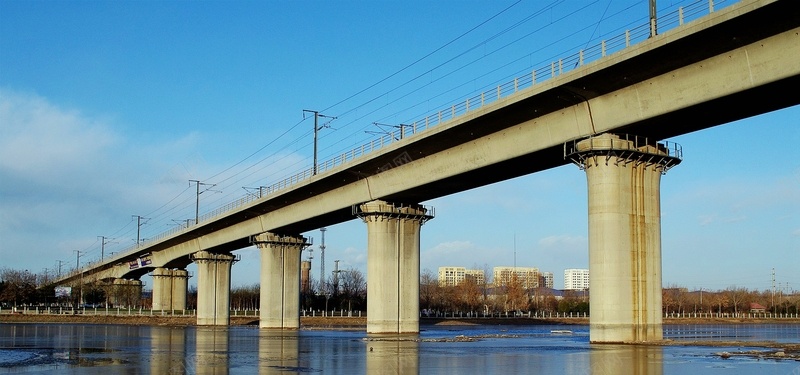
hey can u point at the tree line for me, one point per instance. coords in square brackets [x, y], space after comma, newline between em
[345, 290]
[24, 288]
[348, 291]
[732, 300]
[480, 299]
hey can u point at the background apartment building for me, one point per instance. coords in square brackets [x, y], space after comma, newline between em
[576, 279]
[528, 276]
[452, 276]
[546, 280]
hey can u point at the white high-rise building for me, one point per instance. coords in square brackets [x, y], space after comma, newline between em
[576, 279]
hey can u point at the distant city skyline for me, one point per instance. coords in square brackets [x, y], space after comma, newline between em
[455, 275]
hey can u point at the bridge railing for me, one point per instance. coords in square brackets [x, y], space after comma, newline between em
[525, 81]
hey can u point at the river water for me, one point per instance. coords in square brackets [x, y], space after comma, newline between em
[125, 349]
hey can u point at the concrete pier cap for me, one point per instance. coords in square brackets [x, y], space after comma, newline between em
[623, 148]
[381, 207]
[279, 239]
[623, 177]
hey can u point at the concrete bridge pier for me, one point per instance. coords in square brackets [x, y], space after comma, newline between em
[280, 280]
[213, 287]
[162, 289]
[624, 177]
[393, 234]
[180, 287]
[169, 289]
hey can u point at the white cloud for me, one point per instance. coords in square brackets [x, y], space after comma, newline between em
[704, 220]
[458, 253]
[562, 242]
[450, 248]
[66, 177]
[446, 253]
[556, 253]
[46, 143]
[354, 258]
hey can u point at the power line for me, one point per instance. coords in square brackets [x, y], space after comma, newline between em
[255, 153]
[405, 68]
[424, 57]
[170, 201]
[483, 42]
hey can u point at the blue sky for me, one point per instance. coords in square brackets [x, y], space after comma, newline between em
[108, 109]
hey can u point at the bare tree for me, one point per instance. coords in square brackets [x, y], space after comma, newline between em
[516, 298]
[246, 297]
[446, 298]
[191, 297]
[720, 300]
[736, 296]
[666, 300]
[469, 294]
[353, 287]
[126, 293]
[428, 289]
[676, 296]
[17, 287]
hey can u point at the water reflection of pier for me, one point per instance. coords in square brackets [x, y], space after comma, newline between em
[626, 359]
[168, 350]
[278, 351]
[392, 354]
[178, 350]
[210, 350]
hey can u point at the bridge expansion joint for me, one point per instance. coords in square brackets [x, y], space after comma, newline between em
[623, 150]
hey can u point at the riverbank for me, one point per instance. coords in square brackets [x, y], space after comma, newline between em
[318, 322]
[153, 320]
